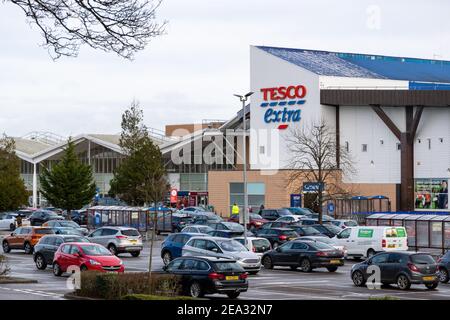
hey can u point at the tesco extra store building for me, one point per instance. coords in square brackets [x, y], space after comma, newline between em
[391, 113]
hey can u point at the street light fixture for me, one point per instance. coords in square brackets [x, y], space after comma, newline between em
[243, 99]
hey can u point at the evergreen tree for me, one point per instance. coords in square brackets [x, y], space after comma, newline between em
[69, 184]
[13, 193]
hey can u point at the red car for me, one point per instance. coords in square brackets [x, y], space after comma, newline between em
[256, 221]
[86, 256]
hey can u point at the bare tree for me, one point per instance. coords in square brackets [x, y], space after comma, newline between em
[120, 26]
[316, 157]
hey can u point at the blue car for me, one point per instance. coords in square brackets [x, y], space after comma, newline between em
[171, 248]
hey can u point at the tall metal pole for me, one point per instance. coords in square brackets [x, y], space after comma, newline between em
[244, 145]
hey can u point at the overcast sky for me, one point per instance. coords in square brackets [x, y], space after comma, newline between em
[190, 73]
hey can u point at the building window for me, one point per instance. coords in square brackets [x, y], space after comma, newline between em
[255, 191]
[347, 146]
[431, 193]
[399, 146]
[429, 143]
[364, 148]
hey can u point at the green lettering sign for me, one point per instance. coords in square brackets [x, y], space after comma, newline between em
[365, 233]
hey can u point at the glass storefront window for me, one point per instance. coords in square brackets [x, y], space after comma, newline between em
[255, 194]
[431, 194]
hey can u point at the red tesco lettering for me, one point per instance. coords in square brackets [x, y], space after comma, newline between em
[281, 93]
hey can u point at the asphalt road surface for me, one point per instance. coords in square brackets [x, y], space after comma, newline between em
[280, 283]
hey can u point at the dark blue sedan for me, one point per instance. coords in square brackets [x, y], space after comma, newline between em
[171, 248]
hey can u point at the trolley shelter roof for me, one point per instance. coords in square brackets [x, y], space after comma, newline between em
[410, 217]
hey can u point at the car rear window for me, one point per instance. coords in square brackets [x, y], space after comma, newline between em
[131, 233]
[290, 234]
[422, 259]
[310, 231]
[43, 231]
[227, 266]
[76, 239]
[261, 243]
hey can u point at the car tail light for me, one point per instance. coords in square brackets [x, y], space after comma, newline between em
[121, 237]
[383, 243]
[243, 276]
[321, 254]
[216, 276]
[413, 267]
[282, 237]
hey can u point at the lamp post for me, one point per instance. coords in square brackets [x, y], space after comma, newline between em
[243, 99]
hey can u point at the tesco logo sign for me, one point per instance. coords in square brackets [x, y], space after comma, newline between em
[282, 104]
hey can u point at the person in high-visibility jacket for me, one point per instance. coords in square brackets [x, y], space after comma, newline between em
[235, 210]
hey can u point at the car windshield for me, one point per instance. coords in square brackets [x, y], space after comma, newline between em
[92, 250]
[284, 212]
[227, 266]
[204, 229]
[69, 224]
[234, 226]
[422, 259]
[333, 228]
[51, 214]
[231, 246]
[131, 233]
[43, 231]
[351, 223]
[309, 231]
[255, 216]
[75, 239]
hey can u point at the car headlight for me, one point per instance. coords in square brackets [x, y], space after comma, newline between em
[94, 262]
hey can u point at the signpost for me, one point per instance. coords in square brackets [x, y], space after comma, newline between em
[296, 200]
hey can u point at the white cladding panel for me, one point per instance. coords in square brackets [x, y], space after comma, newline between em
[344, 83]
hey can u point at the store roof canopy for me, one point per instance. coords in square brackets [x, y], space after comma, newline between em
[339, 64]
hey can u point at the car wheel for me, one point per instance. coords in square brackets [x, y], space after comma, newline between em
[57, 269]
[233, 295]
[403, 282]
[12, 227]
[135, 254]
[28, 248]
[305, 265]
[40, 262]
[332, 269]
[358, 279]
[6, 247]
[112, 248]
[167, 257]
[370, 253]
[267, 262]
[443, 275]
[431, 286]
[195, 290]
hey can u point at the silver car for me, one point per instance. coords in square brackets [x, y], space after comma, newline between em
[118, 239]
[223, 248]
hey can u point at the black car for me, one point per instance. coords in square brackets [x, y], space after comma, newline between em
[306, 255]
[40, 216]
[277, 236]
[401, 268]
[235, 229]
[444, 267]
[209, 275]
[271, 225]
[80, 217]
[305, 230]
[205, 218]
[45, 249]
[179, 222]
[274, 214]
[329, 230]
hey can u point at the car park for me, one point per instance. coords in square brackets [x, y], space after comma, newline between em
[85, 256]
[255, 221]
[55, 224]
[24, 238]
[40, 216]
[179, 221]
[8, 221]
[326, 240]
[274, 214]
[197, 229]
[278, 236]
[368, 240]
[444, 267]
[44, 250]
[306, 255]
[223, 248]
[402, 268]
[255, 244]
[171, 247]
[305, 230]
[118, 240]
[344, 223]
[209, 275]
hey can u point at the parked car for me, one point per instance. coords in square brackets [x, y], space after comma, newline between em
[235, 229]
[208, 275]
[305, 230]
[306, 255]
[344, 223]
[223, 248]
[8, 221]
[86, 256]
[44, 250]
[402, 268]
[289, 219]
[255, 221]
[171, 247]
[190, 210]
[328, 230]
[205, 218]
[179, 221]
[274, 214]
[326, 240]
[368, 240]
[314, 215]
[118, 240]
[278, 236]
[444, 267]
[311, 221]
[24, 238]
[80, 217]
[221, 234]
[255, 244]
[40, 216]
[271, 225]
[197, 229]
[298, 211]
[55, 224]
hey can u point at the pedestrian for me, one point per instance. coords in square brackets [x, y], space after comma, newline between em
[235, 209]
[19, 220]
[261, 209]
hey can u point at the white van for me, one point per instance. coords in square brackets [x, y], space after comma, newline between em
[366, 241]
